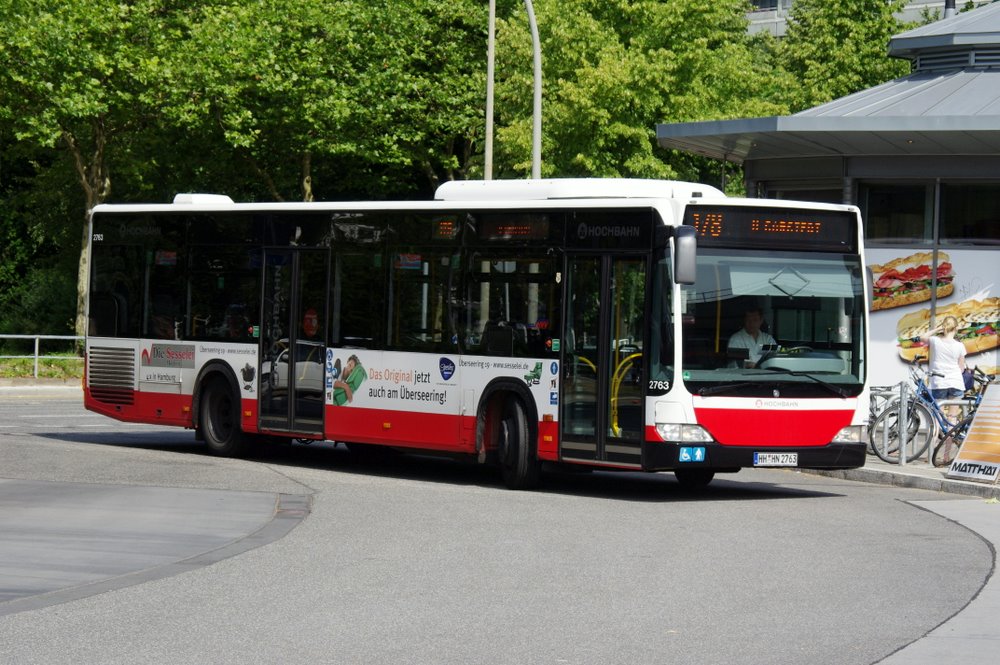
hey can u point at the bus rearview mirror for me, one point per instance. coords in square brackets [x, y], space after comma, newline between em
[685, 255]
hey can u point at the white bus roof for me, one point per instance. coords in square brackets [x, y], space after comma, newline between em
[490, 194]
[572, 188]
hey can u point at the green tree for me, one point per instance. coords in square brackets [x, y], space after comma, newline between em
[613, 69]
[837, 47]
[376, 94]
[37, 288]
[73, 78]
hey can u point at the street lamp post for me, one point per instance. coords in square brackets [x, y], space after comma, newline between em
[536, 128]
[490, 70]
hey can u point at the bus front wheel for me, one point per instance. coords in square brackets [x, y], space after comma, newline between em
[694, 478]
[219, 420]
[520, 469]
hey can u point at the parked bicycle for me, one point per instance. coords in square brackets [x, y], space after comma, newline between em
[925, 421]
[880, 398]
[951, 441]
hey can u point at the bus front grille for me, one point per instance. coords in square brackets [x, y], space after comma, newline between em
[111, 374]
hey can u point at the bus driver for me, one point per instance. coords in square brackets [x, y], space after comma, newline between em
[751, 338]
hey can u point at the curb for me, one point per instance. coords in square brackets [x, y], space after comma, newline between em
[914, 481]
[29, 382]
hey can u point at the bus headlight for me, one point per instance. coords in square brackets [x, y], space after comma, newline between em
[683, 433]
[852, 434]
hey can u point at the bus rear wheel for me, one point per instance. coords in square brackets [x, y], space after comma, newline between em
[219, 420]
[520, 469]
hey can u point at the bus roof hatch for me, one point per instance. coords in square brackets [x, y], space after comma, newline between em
[572, 188]
[203, 199]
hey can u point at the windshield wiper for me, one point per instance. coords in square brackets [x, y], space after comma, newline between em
[836, 390]
[726, 388]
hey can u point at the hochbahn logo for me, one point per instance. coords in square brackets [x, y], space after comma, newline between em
[587, 231]
[169, 355]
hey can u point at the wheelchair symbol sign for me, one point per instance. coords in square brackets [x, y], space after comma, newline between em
[695, 454]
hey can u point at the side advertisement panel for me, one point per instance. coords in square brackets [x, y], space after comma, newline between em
[421, 400]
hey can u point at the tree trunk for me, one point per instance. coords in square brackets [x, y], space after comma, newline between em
[93, 177]
[307, 181]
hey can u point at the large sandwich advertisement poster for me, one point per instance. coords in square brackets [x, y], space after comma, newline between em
[967, 287]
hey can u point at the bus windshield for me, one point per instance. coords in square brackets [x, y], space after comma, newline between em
[788, 323]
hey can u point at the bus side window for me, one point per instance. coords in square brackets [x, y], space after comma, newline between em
[497, 339]
[107, 314]
[163, 322]
[511, 304]
[420, 291]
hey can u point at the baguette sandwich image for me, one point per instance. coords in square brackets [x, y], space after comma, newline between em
[978, 327]
[907, 280]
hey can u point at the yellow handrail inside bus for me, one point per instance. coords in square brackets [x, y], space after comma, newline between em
[616, 384]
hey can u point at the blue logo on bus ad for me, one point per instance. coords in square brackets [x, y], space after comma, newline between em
[447, 368]
[554, 368]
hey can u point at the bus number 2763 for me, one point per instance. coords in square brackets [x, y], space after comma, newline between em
[659, 385]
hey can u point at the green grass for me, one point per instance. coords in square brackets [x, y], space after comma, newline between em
[48, 368]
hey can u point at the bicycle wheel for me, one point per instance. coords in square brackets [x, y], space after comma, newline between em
[947, 450]
[887, 435]
[877, 406]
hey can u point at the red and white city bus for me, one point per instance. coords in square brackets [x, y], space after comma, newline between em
[515, 322]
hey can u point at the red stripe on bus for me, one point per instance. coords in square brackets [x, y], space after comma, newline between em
[431, 431]
[760, 427]
[137, 407]
[404, 429]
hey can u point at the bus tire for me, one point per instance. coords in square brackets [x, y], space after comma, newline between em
[219, 420]
[518, 465]
[694, 478]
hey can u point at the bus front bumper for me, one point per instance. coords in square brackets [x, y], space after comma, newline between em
[668, 456]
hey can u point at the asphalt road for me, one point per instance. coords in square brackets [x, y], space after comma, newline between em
[426, 561]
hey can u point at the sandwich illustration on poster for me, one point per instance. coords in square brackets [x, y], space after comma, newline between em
[967, 286]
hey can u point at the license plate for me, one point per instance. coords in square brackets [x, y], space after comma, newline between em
[775, 459]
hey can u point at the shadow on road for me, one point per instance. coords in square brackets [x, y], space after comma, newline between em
[390, 463]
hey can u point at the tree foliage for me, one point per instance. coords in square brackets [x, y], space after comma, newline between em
[838, 47]
[72, 78]
[362, 98]
[613, 69]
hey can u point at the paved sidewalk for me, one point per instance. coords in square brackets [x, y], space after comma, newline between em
[971, 635]
[918, 475]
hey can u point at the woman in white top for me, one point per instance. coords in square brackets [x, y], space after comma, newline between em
[947, 362]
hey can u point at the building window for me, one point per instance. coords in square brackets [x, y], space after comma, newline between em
[770, 5]
[896, 214]
[970, 214]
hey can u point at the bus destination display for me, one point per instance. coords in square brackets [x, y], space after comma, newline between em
[775, 228]
[514, 227]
